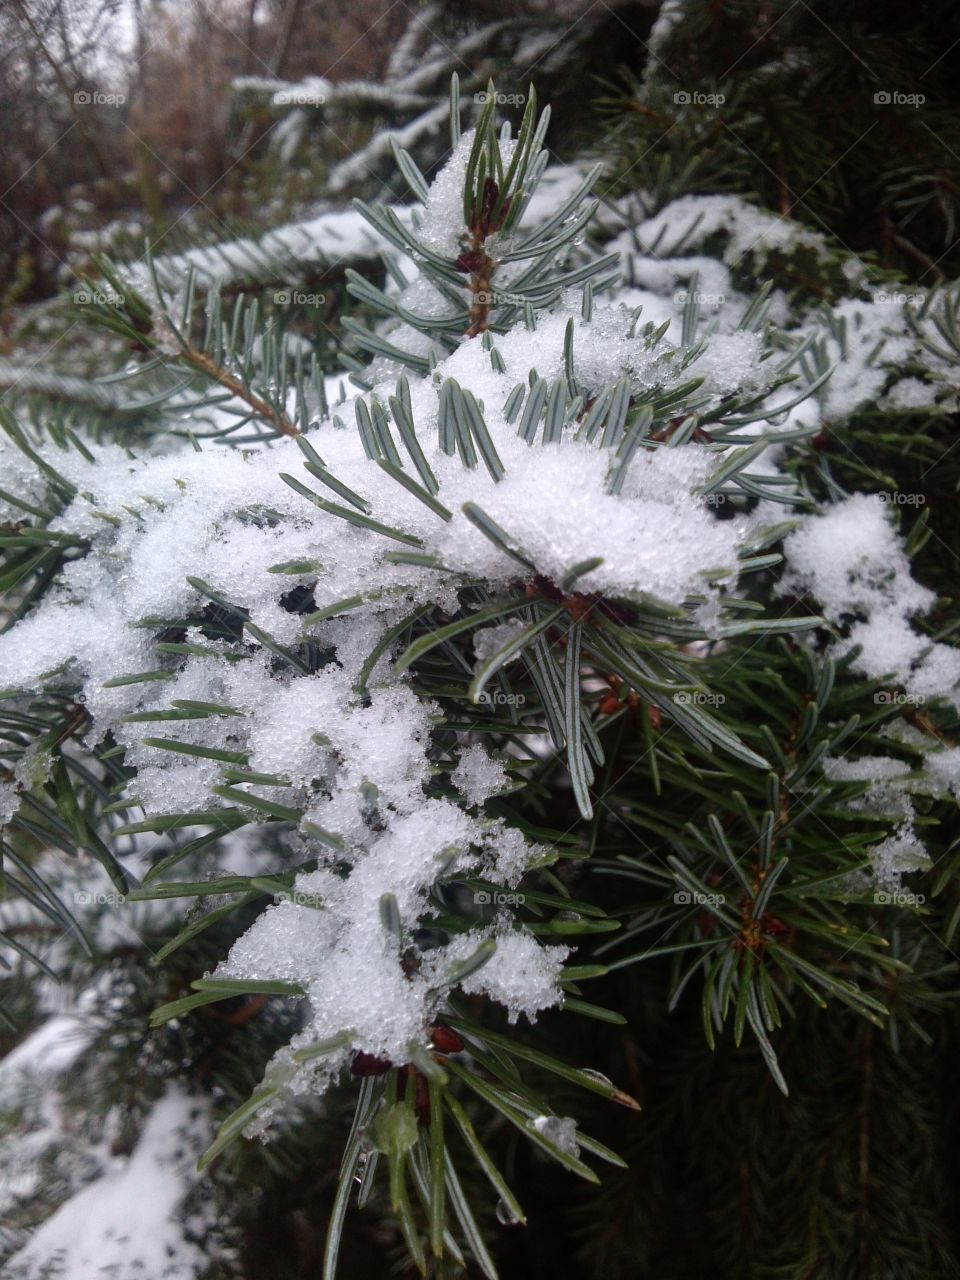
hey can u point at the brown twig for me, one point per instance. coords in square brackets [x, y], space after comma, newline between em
[276, 417]
[477, 262]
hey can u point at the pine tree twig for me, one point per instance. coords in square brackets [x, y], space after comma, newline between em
[276, 417]
[77, 719]
[477, 261]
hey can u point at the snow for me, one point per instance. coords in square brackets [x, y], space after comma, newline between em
[50, 1050]
[561, 1131]
[129, 1222]
[866, 769]
[442, 224]
[851, 559]
[487, 640]
[522, 975]
[8, 801]
[892, 785]
[42, 1141]
[898, 854]
[912, 393]
[943, 768]
[330, 238]
[479, 775]
[886, 797]
[190, 517]
[731, 362]
[363, 162]
[329, 936]
[695, 243]
[692, 221]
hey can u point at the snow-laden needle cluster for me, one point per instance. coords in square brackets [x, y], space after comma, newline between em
[530, 463]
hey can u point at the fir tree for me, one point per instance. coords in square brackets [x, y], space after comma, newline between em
[568, 671]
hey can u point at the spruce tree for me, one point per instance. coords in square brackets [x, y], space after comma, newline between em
[556, 668]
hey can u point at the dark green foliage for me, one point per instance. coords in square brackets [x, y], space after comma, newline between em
[800, 127]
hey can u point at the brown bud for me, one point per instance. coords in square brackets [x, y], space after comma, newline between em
[490, 193]
[474, 260]
[774, 926]
[445, 1040]
[368, 1064]
[548, 589]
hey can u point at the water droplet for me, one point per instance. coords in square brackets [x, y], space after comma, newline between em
[506, 1214]
[597, 1075]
